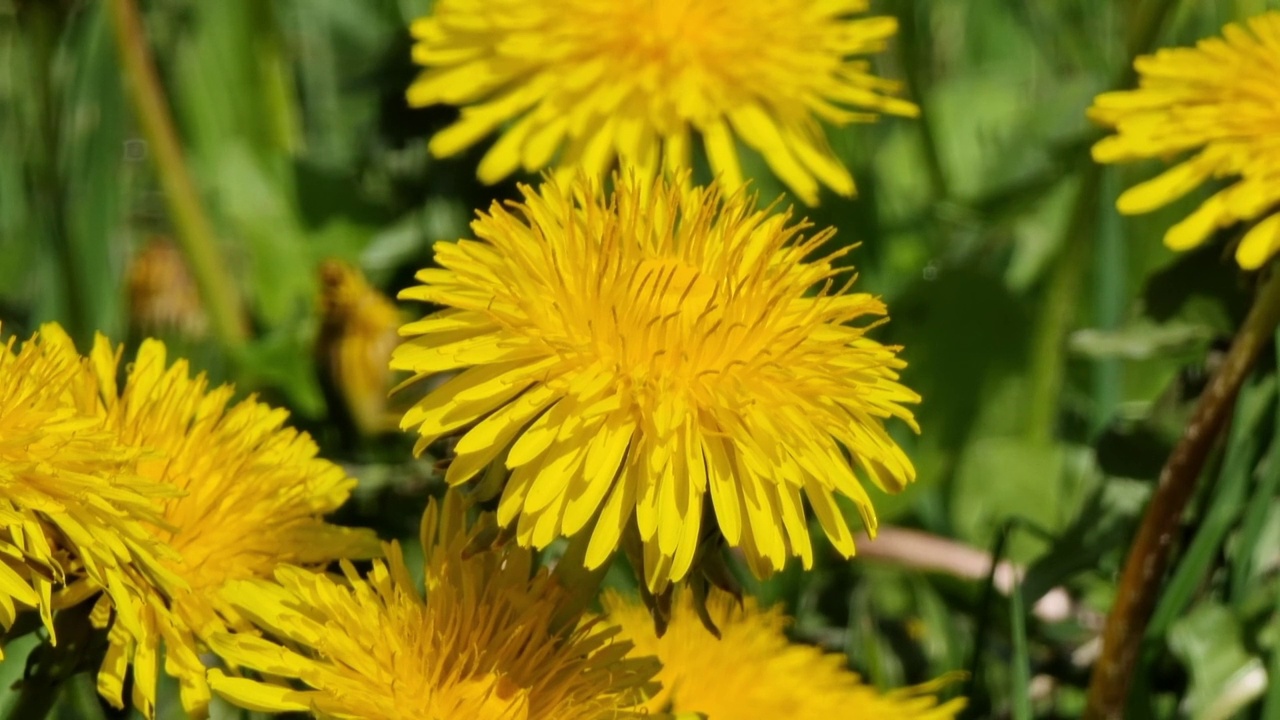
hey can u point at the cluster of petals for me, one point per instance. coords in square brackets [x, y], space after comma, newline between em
[74, 511]
[1220, 102]
[752, 670]
[584, 83]
[651, 357]
[487, 641]
[147, 498]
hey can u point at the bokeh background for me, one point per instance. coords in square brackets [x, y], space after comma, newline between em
[1058, 346]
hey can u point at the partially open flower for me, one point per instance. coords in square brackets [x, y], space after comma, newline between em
[357, 334]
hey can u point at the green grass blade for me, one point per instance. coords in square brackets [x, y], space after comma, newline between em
[1226, 501]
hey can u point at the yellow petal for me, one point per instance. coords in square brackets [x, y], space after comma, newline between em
[491, 436]
[829, 516]
[1259, 244]
[1164, 188]
[257, 696]
[613, 517]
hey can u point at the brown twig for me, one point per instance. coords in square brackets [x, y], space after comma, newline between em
[1151, 551]
[931, 553]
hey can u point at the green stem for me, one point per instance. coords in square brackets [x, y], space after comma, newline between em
[193, 230]
[51, 667]
[1057, 313]
[915, 55]
[42, 24]
[582, 584]
[82, 698]
[1149, 556]
[1048, 362]
[35, 700]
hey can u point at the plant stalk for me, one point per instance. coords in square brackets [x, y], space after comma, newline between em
[1149, 556]
[51, 667]
[194, 231]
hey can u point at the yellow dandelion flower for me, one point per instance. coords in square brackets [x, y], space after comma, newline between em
[753, 671]
[1220, 100]
[253, 495]
[626, 357]
[72, 511]
[637, 79]
[357, 334]
[482, 645]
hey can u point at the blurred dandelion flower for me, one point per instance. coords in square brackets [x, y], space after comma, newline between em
[625, 356]
[753, 671]
[636, 79]
[1220, 99]
[72, 511]
[357, 334]
[253, 494]
[162, 294]
[482, 645]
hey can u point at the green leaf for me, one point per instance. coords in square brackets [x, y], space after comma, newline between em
[1224, 677]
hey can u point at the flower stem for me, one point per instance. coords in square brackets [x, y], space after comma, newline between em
[1151, 551]
[193, 230]
[35, 700]
[1057, 310]
[50, 667]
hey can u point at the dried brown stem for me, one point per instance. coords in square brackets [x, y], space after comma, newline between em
[932, 553]
[1150, 554]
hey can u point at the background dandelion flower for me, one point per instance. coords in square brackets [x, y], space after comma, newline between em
[627, 356]
[752, 671]
[357, 334]
[72, 509]
[162, 295]
[636, 79]
[482, 645]
[1220, 99]
[253, 495]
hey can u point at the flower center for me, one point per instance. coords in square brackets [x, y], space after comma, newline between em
[487, 697]
[661, 317]
[670, 288]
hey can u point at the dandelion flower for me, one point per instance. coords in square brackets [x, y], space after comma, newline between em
[163, 297]
[1220, 101]
[637, 79]
[253, 495]
[357, 334]
[626, 357]
[72, 510]
[482, 645]
[752, 671]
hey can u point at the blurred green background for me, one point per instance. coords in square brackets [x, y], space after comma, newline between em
[1058, 346]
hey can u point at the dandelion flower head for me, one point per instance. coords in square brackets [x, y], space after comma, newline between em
[251, 494]
[73, 511]
[163, 298]
[1219, 101]
[753, 671]
[630, 356]
[357, 334]
[584, 82]
[483, 644]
